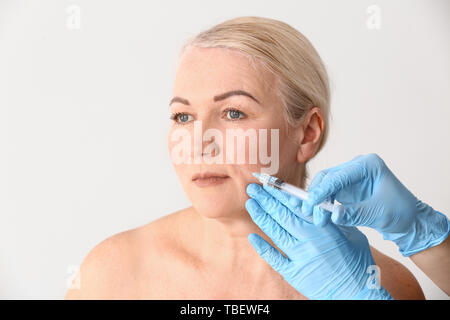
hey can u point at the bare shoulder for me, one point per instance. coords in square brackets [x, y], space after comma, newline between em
[396, 278]
[103, 268]
[112, 268]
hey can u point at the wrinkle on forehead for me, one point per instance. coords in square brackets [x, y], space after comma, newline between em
[246, 71]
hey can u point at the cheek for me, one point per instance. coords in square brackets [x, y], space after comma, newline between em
[170, 142]
[288, 148]
[179, 142]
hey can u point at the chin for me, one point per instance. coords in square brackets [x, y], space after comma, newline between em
[217, 200]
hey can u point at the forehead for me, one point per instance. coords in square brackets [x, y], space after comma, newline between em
[205, 72]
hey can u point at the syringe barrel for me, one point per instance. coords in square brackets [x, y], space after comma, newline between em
[303, 195]
[295, 191]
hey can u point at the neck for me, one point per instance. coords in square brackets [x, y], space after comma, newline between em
[224, 244]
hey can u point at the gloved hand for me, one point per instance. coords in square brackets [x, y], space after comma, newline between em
[322, 263]
[373, 197]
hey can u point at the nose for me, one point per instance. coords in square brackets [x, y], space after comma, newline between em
[211, 147]
[205, 144]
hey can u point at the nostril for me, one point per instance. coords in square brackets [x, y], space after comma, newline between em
[214, 151]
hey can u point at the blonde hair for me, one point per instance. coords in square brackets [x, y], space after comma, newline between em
[301, 78]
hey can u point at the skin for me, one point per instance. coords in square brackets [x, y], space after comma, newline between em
[435, 263]
[202, 252]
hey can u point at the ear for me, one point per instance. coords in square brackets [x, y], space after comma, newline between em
[310, 134]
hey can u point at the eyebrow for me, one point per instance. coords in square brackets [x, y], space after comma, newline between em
[219, 97]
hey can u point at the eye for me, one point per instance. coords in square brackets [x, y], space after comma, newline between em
[234, 114]
[180, 117]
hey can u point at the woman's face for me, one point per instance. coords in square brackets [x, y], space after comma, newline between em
[208, 167]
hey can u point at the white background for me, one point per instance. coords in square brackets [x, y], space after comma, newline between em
[84, 116]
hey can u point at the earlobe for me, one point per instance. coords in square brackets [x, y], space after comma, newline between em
[301, 156]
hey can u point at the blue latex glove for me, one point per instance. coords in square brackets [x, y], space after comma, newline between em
[322, 263]
[373, 197]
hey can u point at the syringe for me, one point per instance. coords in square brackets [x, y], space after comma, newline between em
[277, 183]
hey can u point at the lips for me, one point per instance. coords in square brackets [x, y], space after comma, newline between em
[207, 179]
[206, 175]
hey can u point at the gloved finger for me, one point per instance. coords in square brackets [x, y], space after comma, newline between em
[353, 215]
[323, 173]
[318, 178]
[271, 255]
[269, 226]
[291, 202]
[307, 209]
[282, 215]
[336, 181]
[339, 217]
[321, 217]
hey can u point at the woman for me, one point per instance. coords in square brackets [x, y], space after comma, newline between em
[247, 73]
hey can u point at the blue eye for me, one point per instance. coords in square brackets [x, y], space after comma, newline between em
[233, 114]
[181, 117]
